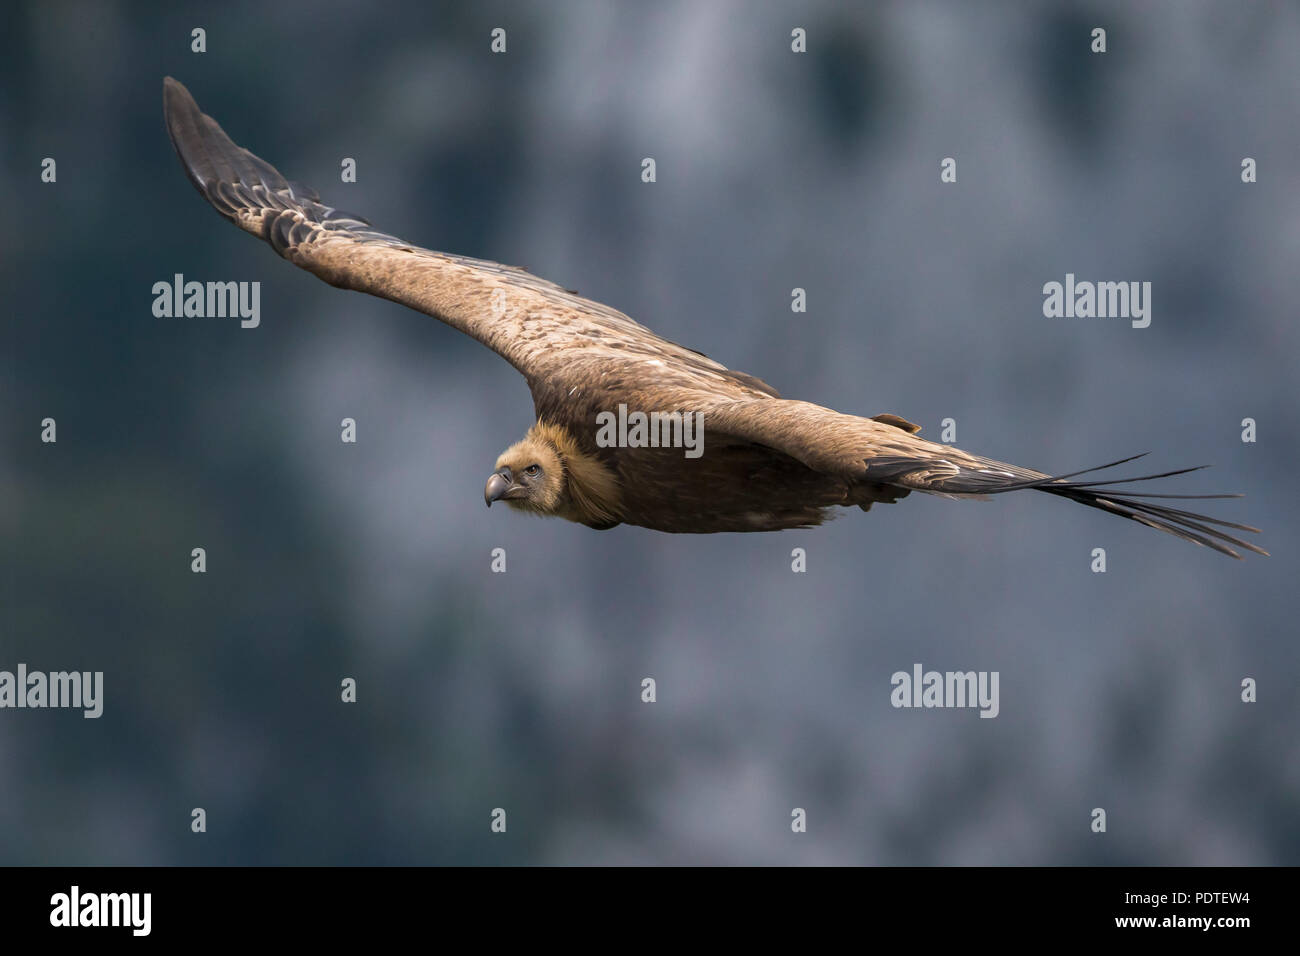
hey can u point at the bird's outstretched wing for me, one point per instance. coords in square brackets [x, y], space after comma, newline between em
[883, 451]
[549, 334]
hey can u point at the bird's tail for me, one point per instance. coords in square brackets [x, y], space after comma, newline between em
[989, 477]
[1139, 506]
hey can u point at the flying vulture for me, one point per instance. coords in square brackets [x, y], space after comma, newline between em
[766, 463]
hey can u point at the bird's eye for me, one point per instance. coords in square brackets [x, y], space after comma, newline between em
[532, 471]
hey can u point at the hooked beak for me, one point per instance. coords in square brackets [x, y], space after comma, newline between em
[497, 486]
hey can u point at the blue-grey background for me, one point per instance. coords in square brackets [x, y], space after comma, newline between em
[522, 690]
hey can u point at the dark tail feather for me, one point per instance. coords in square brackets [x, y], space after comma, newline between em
[1188, 525]
[989, 477]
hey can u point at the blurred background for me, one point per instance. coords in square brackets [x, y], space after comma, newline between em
[521, 690]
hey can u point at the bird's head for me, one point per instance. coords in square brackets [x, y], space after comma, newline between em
[529, 476]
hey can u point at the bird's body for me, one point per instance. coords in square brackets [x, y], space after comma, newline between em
[735, 486]
[768, 463]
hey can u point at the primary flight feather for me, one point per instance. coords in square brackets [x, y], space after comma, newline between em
[767, 462]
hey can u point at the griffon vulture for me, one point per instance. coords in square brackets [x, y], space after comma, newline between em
[768, 462]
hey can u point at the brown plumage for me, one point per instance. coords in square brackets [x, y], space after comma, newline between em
[768, 463]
